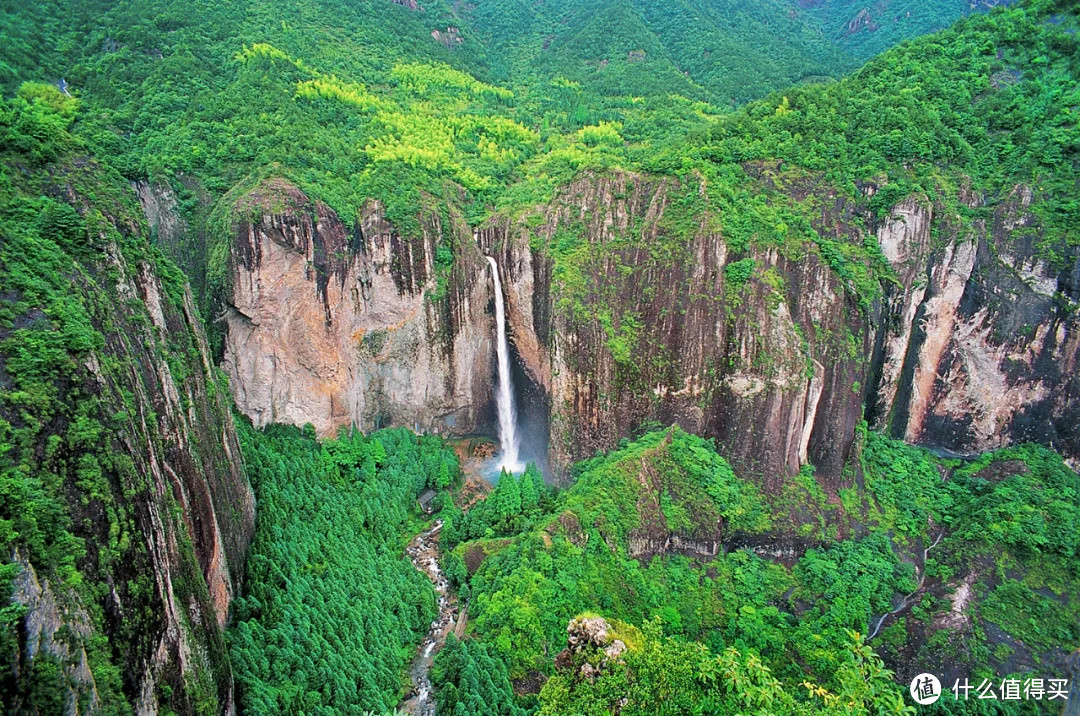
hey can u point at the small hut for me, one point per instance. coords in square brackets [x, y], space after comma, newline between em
[425, 500]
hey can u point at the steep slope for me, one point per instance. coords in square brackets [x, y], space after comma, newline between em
[743, 301]
[654, 317]
[775, 286]
[758, 224]
[354, 327]
[863, 29]
[126, 510]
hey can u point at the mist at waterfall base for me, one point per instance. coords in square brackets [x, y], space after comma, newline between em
[521, 419]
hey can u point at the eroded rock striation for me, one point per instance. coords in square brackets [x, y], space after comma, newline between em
[652, 326]
[145, 469]
[979, 341]
[627, 305]
[355, 326]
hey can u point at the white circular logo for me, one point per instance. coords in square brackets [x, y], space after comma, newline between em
[925, 689]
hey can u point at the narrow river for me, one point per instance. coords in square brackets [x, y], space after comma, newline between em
[423, 551]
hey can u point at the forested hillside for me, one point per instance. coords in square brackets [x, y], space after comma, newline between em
[662, 540]
[863, 29]
[124, 512]
[333, 610]
[722, 51]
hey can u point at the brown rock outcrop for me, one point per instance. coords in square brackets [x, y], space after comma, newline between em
[974, 345]
[654, 318]
[183, 444]
[163, 509]
[361, 327]
[653, 332]
[980, 348]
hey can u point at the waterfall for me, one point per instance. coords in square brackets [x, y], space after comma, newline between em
[508, 439]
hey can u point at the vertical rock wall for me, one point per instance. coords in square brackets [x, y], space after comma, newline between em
[144, 462]
[650, 330]
[980, 346]
[974, 345]
[339, 326]
[648, 316]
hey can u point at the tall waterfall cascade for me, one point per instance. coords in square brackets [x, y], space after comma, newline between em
[509, 443]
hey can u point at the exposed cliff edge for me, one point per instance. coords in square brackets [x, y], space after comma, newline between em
[120, 434]
[648, 325]
[627, 305]
[340, 326]
[977, 337]
[979, 342]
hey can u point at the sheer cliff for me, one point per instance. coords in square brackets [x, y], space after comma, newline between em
[646, 313]
[972, 348]
[354, 326]
[764, 279]
[126, 510]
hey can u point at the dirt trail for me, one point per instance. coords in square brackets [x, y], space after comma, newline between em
[423, 551]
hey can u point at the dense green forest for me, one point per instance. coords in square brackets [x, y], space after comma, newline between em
[733, 629]
[228, 96]
[864, 30]
[333, 610]
[79, 353]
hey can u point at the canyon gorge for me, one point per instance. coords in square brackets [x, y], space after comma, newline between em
[502, 356]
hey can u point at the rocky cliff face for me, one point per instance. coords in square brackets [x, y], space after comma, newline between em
[144, 460]
[626, 305]
[974, 346]
[979, 342]
[652, 326]
[355, 326]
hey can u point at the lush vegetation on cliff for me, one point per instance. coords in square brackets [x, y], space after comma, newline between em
[361, 102]
[657, 674]
[529, 588]
[75, 498]
[625, 542]
[491, 111]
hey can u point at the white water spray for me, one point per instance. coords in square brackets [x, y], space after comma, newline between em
[508, 439]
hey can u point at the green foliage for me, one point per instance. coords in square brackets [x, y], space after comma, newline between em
[1024, 498]
[737, 273]
[887, 24]
[996, 527]
[577, 555]
[353, 101]
[846, 584]
[472, 683]
[1043, 620]
[537, 94]
[78, 371]
[792, 624]
[662, 675]
[36, 122]
[989, 100]
[332, 609]
[906, 484]
[515, 503]
[722, 50]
